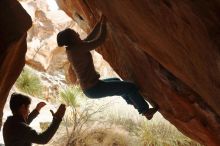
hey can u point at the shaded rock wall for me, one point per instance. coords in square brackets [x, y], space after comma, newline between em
[14, 23]
[170, 49]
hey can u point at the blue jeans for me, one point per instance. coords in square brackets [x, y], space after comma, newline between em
[114, 86]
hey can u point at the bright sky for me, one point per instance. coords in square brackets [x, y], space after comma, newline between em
[52, 5]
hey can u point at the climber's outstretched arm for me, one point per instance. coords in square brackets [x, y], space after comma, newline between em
[96, 37]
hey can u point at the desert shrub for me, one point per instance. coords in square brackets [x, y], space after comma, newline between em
[152, 133]
[123, 121]
[82, 121]
[161, 133]
[78, 119]
[29, 83]
[104, 137]
[70, 95]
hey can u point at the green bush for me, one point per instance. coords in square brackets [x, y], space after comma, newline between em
[29, 83]
[70, 95]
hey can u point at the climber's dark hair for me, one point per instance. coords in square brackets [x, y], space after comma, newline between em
[66, 37]
[17, 100]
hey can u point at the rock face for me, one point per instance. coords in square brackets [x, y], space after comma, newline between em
[42, 53]
[170, 49]
[13, 31]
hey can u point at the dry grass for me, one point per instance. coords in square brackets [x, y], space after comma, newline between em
[102, 137]
[162, 134]
[83, 127]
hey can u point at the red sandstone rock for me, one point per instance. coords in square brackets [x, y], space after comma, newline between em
[171, 50]
[14, 23]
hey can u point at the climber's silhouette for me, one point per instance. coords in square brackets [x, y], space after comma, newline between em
[78, 52]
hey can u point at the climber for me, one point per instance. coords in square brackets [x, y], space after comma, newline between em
[78, 53]
[16, 130]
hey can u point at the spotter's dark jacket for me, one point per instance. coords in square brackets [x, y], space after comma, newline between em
[17, 132]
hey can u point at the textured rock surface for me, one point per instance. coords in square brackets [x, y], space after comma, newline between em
[170, 49]
[12, 45]
[42, 53]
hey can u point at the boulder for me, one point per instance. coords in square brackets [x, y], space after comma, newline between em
[170, 49]
[14, 24]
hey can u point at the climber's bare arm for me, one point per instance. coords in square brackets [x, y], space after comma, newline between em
[95, 38]
[93, 34]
